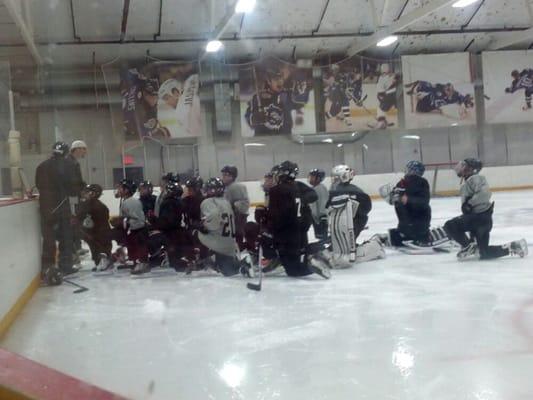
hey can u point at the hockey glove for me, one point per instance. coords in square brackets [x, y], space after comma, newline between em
[466, 208]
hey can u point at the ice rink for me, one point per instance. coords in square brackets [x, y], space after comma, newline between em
[406, 328]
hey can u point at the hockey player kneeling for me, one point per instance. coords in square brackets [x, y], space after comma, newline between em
[217, 233]
[348, 208]
[289, 219]
[410, 198]
[477, 217]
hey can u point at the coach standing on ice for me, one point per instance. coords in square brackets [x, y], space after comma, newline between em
[78, 151]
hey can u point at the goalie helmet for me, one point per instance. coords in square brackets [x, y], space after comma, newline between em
[342, 173]
[287, 170]
[468, 167]
[415, 168]
[320, 174]
[214, 187]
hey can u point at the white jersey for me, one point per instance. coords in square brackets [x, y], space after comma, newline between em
[185, 119]
[386, 84]
[219, 220]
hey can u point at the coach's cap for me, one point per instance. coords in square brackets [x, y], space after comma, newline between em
[168, 86]
[78, 144]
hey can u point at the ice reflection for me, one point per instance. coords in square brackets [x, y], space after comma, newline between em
[404, 360]
[232, 374]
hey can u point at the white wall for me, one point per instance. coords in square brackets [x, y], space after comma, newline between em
[20, 247]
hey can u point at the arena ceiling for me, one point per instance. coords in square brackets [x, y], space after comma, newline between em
[83, 32]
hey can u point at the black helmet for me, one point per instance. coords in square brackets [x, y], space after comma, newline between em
[415, 167]
[474, 164]
[320, 174]
[231, 170]
[129, 185]
[95, 189]
[288, 170]
[146, 184]
[195, 183]
[214, 187]
[468, 167]
[169, 177]
[60, 149]
[174, 189]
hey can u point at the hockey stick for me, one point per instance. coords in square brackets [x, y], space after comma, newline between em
[80, 289]
[257, 286]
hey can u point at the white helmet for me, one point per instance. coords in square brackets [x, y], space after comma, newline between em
[342, 173]
[385, 68]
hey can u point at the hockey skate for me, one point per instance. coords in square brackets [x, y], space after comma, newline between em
[470, 251]
[105, 264]
[383, 238]
[269, 265]
[51, 276]
[140, 268]
[319, 266]
[247, 265]
[518, 248]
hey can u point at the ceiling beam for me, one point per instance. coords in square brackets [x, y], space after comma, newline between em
[221, 26]
[24, 29]
[124, 24]
[510, 39]
[398, 25]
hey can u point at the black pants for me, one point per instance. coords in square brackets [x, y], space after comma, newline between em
[409, 228]
[479, 227]
[99, 243]
[56, 230]
[321, 229]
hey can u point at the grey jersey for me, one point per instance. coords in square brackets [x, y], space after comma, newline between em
[475, 190]
[219, 220]
[132, 209]
[237, 195]
[318, 208]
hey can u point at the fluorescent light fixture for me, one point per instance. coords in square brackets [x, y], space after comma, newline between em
[365, 146]
[455, 124]
[213, 46]
[254, 144]
[387, 41]
[339, 145]
[412, 137]
[245, 6]
[327, 141]
[232, 374]
[463, 3]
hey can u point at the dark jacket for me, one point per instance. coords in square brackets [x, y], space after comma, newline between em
[416, 214]
[54, 182]
[191, 209]
[148, 203]
[77, 183]
[289, 215]
[170, 215]
[98, 212]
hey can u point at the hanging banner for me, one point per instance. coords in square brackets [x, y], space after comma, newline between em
[508, 87]
[277, 98]
[360, 94]
[438, 90]
[160, 100]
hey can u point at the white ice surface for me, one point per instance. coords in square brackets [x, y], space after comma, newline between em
[406, 328]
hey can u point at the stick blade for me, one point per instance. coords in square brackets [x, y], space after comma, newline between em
[80, 290]
[254, 286]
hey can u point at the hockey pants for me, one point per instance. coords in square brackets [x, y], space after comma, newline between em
[479, 227]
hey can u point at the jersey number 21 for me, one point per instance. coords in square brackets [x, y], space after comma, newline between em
[228, 225]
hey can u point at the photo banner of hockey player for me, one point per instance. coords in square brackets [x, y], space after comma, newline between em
[438, 90]
[277, 98]
[360, 93]
[160, 100]
[508, 86]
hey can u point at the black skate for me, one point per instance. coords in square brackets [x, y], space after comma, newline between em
[470, 251]
[140, 268]
[518, 248]
[319, 267]
[51, 276]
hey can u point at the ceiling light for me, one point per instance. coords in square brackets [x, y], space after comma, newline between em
[213, 46]
[411, 137]
[463, 3]
[245, 6]
[327, 141]
[387, 41]
[254, 144]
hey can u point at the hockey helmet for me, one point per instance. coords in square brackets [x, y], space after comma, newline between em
[129, 185]
[415, 167]
[342, 173]
[146, 184]
[60, 149]
[194, 183]
[319, 173]
[214, 187]
[287, 170]
[173, 189]
[230, 170]
[94, 189]
[468, 167]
